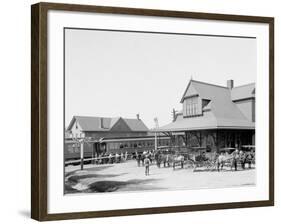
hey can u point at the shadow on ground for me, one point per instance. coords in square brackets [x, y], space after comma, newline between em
[110, 186]
[88, 169]
[71, 181]
[74, 179]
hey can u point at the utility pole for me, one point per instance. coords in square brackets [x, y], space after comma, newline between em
[156, 127]
[82, 153]
[80, 142]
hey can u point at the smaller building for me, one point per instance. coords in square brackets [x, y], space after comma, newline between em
[104, 134]
[105, 127]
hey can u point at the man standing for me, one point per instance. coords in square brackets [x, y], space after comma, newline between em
[235, 155]
[126, 156]
[242, 158]
[138, 158]
[146, 164]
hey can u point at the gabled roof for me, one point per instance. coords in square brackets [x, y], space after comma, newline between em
[220, 112]
[136, 124]
[88, 123]
[243, 92]
[220, 100]
[204, 89]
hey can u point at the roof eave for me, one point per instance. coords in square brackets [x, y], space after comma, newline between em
[204, 128]
[182, 99]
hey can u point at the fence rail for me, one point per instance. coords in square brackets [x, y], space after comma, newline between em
[93, 159]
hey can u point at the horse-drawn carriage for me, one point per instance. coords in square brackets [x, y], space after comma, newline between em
[200, 157]
[169, 156]
[204, 159]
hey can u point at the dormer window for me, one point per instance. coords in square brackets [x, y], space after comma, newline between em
[191, 106]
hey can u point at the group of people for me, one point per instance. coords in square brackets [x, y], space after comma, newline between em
[146, 158]
[110, 158]
[242, 158]
[143, 158]
[236, 157]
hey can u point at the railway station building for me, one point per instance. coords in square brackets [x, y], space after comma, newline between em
[97, 131]
[101, 127]
[214, 117]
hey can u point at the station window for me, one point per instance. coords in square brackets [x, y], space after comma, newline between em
[191, 106]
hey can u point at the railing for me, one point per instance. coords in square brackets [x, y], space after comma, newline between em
[98, 159]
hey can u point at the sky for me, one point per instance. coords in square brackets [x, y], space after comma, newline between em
[121, 74]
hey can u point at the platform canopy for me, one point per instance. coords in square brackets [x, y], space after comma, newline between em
[205, 123]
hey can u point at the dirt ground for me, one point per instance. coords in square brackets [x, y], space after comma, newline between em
[128, 176]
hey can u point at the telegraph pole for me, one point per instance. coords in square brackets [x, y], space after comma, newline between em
[156, 127]
[82, 153]
[81, 141]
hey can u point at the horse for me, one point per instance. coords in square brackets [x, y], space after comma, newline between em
[178, 159]
[223, 159]
[166, 159]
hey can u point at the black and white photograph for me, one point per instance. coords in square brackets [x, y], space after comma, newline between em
[143, 111]
[154, 111]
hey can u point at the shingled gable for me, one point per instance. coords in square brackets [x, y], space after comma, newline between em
[189, 91]
[88, 123]
[136, 124]
[121, 126]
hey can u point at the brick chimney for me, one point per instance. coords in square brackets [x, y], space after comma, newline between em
[174, 114]
[138, 116]
[230, 84]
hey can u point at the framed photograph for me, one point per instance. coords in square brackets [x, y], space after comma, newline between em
[142, 111]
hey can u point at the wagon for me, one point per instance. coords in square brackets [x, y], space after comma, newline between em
[200, 158]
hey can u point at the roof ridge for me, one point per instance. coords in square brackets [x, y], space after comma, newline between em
[209, 84]
[132, 119]
[244, 85]
[90, 116]
[115, 117]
